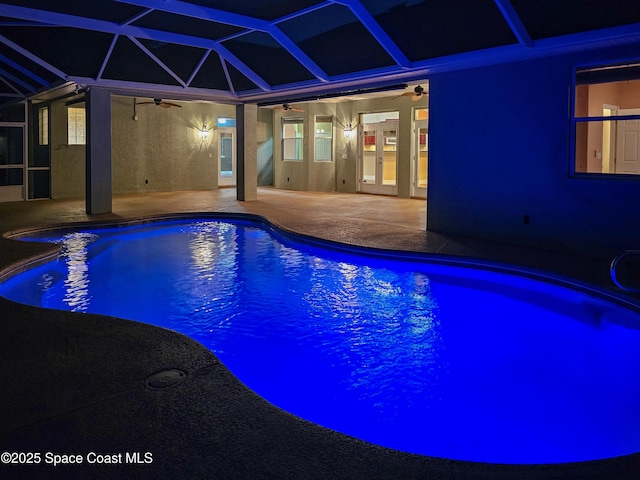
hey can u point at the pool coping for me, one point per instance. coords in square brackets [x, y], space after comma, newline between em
[417, 465]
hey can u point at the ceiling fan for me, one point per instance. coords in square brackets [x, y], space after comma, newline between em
[417, 93]
[288, 108]
[160, 103]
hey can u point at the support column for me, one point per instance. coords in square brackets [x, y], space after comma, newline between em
[98, 151]
[247, 151]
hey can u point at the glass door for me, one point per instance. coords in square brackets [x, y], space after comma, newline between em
[227, 163]
[378, 158]
[421, 158]
[38, 164]
[12, 151]
[369, 160]
[389, 165]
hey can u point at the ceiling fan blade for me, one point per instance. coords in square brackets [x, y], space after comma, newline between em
[415, 98]
[169, 104]
[145, 103]
[296, 110]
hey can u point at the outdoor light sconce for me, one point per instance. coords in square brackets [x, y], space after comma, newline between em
[348, 131]
[204, 132]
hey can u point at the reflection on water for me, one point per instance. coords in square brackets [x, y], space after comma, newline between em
[76, 284]
[208, 286]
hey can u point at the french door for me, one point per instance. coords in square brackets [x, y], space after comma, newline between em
[378, 162]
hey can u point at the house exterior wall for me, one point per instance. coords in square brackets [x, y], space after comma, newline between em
[293, 174]
[500, 141]
[67, 161]
[163, 150]
[322, 175]
[264, 138]
[404, 106]
[346, 151]
[342, 173]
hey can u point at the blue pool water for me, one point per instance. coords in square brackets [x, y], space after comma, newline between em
[427, 357]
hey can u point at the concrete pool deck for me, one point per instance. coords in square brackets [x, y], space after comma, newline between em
[75, 385]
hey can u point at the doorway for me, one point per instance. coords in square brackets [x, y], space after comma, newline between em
[12, 154]
[227, 157]
[628, 143]
[420, 158]
[378, 163]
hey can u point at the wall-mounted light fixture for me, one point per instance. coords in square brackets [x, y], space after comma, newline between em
[349, 132]
[204, 132]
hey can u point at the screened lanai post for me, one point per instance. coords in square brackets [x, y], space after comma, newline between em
[98, 150]
[247, 150]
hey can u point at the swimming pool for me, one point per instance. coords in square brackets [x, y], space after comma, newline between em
[440, 358]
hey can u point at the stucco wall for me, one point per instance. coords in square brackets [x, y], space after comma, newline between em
[342, 174]
[289, 174]
[264, 138]
[499, 150]
[67, 161]
[405, 107]
[163, 150]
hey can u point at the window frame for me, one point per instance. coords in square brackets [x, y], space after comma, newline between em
[43, 125]
[298, 140]
[634, 66]
[76, 130]
[323, 136]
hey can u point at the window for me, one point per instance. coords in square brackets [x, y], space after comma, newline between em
[421, 114]
[324, 139]
[606, 120]
[43, 126]
[292, 138]
[76, 126]
[226, 122]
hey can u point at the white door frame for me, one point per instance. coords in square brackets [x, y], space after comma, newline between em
[227, 181]
[416, 190]
[377, 185]
[609, 132]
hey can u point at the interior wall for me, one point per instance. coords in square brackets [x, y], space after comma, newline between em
[499, 156]
[599, 94]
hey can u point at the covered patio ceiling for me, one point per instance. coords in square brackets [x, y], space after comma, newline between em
[267, 51]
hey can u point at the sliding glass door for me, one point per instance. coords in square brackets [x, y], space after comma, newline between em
[12, 153]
